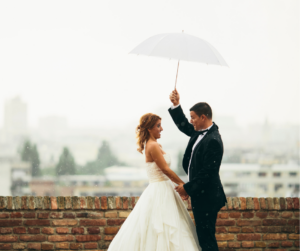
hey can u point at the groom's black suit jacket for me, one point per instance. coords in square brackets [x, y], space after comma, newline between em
[205, 187]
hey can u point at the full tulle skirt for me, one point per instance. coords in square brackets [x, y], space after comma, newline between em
[158, 222]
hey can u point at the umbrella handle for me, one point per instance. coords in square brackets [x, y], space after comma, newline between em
[176, 74]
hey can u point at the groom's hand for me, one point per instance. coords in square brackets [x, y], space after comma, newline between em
[174, 97]
[180, 189]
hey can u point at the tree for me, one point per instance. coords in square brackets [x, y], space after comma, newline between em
[105, 158]
[66, 164]
[180, 170]
[30, 154]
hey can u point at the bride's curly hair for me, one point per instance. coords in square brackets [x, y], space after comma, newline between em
[147, 121]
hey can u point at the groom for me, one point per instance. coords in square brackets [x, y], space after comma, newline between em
[201, 162]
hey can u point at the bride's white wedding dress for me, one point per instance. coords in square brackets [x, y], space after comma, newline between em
[159, 220]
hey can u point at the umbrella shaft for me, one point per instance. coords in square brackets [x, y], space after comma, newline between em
[177, 73]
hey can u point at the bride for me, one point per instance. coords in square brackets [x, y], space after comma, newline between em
[159, 220]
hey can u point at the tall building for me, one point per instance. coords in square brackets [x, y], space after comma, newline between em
[15, 118]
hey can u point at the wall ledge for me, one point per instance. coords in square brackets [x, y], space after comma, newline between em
[127, 203]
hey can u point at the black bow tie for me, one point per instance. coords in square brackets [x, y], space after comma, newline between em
[201, 132]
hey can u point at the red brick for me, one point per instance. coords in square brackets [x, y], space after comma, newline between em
[16, 215]
[225, 223]
[118, 202]
[287, 215]
[281, 237]
[75, 246]
[286, 244]
[235, 215]
[234, 244]
[33, 238]
[260, 244]
[64, 222]
[93, 245]
[282, 203]
[248, 222]
[62, 230]
[234, 229]
[109, 237]
[294, 236]
[5, 246]
[297, 243]
[274, 229]
[53, 203]
[273, 245]
[87, 238]
[29, 215]
[297, 214]
[293, 222]
[19, 230]
[111, 230]
[297, 229]
[47, 230]
[296, 202]
[103, 202]
[225, 237]
[34, 230]
[117, 222]
[34, 246]
[111, 214]
[93, 230]
[43, 215]
[261, 214]
[263, 204]
[221, 230]
[10, 223]
[247, 244]
[274, 214]
[4, 215]
[223, 215]
[247, 230]
[59, 238]
[133, 202]
[5, 230]
[256, 204]
[82, 203]
[37, 223]
[97, 203]
[8, 238]
[19, 246]
[56, 215]
[81, 215]
[125, 203]
[243, 203]
[101, 222]
[289, 203]
[77, 230]
[269, 222]
[47, 246]
[69, 215]
[222, 244]
[95, 215]
[248, 237]
[261, 229]
[62, 245]
[248, 215]
[287, 229]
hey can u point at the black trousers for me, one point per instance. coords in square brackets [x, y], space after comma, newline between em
[206, 227]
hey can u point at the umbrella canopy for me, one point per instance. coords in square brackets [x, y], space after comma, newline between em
[180, 46]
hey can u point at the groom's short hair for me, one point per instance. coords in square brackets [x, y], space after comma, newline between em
[202, 108]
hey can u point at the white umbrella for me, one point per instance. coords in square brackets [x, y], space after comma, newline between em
[180, 46]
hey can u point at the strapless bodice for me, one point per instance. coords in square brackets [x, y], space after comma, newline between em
[154, 172]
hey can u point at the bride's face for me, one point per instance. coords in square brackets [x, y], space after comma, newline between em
[156, 130]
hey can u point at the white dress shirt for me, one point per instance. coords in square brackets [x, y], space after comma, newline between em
[196, 143]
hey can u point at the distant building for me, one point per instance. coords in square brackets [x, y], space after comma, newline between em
[253, 180]
[20, 173]
[42, 187]
[15, 118]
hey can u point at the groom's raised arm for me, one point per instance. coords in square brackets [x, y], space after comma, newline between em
[181, 121]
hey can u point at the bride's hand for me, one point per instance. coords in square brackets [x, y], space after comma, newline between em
[186, 197]
[174, 97]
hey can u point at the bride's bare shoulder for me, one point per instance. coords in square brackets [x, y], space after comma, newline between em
[153, 145]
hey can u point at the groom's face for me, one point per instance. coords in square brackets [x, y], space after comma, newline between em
[196, 121]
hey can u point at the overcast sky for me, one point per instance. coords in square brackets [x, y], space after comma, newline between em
[70, 58]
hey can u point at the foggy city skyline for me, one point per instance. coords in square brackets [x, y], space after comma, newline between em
[71, 93]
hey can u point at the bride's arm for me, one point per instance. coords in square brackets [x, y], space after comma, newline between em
[160, 161]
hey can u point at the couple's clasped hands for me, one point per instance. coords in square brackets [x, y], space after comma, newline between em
[183, 194]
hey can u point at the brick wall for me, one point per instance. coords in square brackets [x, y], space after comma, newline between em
[90, 223]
